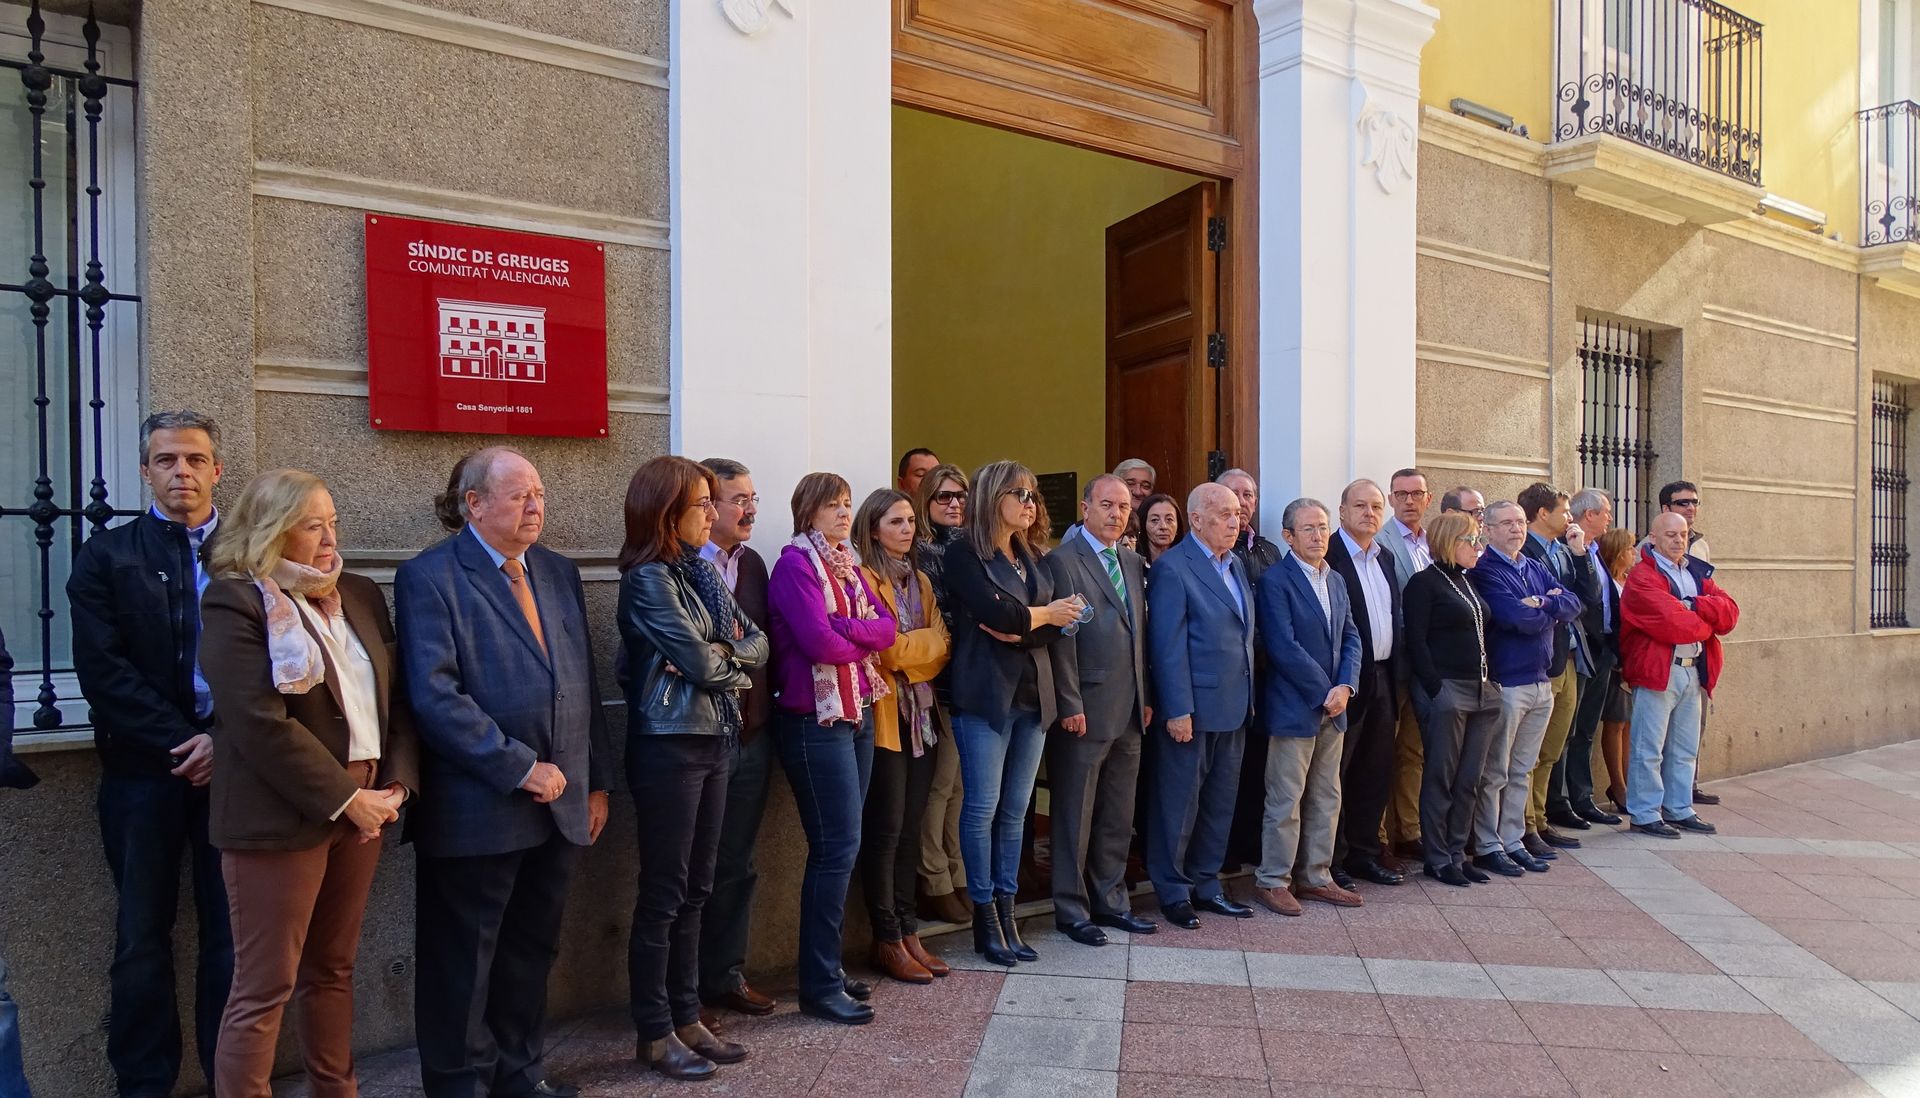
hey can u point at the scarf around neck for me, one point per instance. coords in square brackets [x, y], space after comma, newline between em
[704, 578]
[841, 690]
[297, 662]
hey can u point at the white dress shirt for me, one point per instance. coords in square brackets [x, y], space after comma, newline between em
[726, 562]
[1317, 579]
[1378, 592]
[1417, 546]
[353, 675]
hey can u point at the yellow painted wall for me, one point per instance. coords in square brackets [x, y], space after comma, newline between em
[1498, 53]
[999, 292]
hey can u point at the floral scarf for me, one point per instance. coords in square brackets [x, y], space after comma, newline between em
[705, 580]
[298, 664]
[841, 690]
[916, 698]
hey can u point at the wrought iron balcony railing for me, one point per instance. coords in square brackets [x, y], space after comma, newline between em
[1679, 76]
[1889, 157]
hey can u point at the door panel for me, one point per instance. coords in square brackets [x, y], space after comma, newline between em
[1162, 290]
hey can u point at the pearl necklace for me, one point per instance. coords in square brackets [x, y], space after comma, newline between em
[1479, 624]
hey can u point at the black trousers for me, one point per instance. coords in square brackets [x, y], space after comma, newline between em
[1093, 783]
[679, 788]
[1458, 732]
[147, 825]
[890, 839]
[1571, 785]
[1366, 764]
[487, 929]
[729, 912]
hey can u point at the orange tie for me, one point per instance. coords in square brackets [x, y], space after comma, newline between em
[522, 594]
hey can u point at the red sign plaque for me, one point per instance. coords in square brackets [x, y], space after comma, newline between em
[484, 330]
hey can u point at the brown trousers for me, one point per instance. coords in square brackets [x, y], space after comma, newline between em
[296, 930]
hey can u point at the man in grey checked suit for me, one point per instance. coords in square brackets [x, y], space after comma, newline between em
[1093, 755]
[515, 771]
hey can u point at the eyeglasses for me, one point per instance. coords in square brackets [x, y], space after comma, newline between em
[1409, 497]
[950, 495]
[1320, 529]
[706, 505]
[742, 502]
[1474, 540]
[1478, 513]
[1024, 495]
[1684, 503]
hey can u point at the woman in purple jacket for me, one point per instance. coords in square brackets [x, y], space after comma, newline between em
[827, 627]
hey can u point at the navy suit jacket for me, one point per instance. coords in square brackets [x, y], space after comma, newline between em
[1199, 645]
[488, 704]
[1304, 662]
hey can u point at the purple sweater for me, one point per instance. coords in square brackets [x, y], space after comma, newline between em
[804, 633]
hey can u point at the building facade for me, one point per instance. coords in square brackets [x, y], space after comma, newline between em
[1708, 270]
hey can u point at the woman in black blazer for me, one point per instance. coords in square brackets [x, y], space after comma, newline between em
[688, 648]
[1004, 616]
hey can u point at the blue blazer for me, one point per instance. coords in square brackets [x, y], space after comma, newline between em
[1306, 658]
[488, 704]
[1199, 645]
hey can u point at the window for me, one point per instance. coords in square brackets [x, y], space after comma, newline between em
[69, 370]
[1616, 418]
[1890, 486]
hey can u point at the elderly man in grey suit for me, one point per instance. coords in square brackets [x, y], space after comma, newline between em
[1093, 755]
[515, 772]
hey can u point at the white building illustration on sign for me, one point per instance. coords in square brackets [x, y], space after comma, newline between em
[484, 339]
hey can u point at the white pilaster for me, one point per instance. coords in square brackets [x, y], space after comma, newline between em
[1339, 111]
[782, 172]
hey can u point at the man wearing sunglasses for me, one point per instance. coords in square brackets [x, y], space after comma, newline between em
[1682, 498]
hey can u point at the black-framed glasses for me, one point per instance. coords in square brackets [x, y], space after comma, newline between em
[950, 495]
[1024, 495]
[1409, 497]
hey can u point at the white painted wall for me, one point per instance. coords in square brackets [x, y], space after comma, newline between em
[781, 162]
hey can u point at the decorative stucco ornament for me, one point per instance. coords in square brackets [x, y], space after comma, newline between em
[753, 16]
[1386, 146]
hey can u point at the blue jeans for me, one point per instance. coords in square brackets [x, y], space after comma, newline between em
[1662, 748]
[13, 1076]
[829, 767]
[148, 824]
[997, 767]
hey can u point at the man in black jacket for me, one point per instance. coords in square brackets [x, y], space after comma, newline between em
[135, 595]
[1549, 521]
[1570, 788]
[1363, 561]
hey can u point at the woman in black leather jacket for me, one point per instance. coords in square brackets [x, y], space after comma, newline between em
[688, 648]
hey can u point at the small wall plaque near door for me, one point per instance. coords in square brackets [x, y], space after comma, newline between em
[1061, 491]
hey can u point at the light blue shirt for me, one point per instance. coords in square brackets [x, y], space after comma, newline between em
[1101, 549]
[196, 539]
[1225, 568]
[725, 562]
[1683, 582]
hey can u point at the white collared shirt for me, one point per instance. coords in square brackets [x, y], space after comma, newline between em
[1317, 579]
[1376, 590]
[726, 562]
[1417, 547]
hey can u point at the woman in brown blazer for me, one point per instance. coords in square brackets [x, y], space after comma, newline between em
[313, 756]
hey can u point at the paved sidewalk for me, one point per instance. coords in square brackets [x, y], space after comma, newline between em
[1778, 958]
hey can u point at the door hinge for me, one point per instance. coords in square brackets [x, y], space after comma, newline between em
[1216, 463]
[1216, 350]
[1216, 234]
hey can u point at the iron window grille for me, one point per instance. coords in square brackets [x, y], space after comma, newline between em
[1890, 484]
[1678, 76]
[68, 330]
[1616, 418]
[1889, 155]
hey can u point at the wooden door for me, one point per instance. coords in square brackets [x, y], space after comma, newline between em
[1162, 322]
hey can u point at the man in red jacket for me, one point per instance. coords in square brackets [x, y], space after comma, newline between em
[1672, 616]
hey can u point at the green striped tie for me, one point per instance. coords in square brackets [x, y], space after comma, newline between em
[1111, 558]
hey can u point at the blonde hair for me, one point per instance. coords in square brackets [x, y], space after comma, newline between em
[990, 482]
[251, 536]
[1445, 530]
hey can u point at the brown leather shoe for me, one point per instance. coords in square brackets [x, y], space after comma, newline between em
[1332, 894]
[1409, 849]
[949, 907]
[893, 959]
[709, 1019]
[747, 1001]
[927, 960]
[672, 1058]
[1537, 846]
[1391, 861]
[701, 1040]
[1277, 900]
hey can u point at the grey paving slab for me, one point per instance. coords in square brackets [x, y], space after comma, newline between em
[1065, 958]
[1079, 997]
[1763, 844]
[1051, 1042]
[1906, 996]
[1686, 991]
[1720, 928]
[1891, 1080]
[1751, 959]
[1620, 856]
[1307, 972]
[1662, 876]
[1445, 979]
[1537, 984]
[1020, 1081]
[1696, 899]
[1851, 1022]
[1855, 848]
[1187, 966]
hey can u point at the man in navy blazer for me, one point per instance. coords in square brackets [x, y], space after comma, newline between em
[515, 772]
[1313, 667]
[1200, 659]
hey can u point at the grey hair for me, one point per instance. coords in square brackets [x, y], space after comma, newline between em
[1222, 478]
[476, 471]
[186, 419]
[1588, 500]
[1131, 464]
[726, 468]
[1087, 496]
[1497, 505]
[1299, 505]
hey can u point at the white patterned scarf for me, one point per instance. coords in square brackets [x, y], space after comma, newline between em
[298, 665]
[842, 690]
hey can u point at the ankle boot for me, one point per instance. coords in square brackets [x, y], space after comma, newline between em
[672, 1058]
[702, 1040]
[988, 941]
[1010, 929]
[928, 961]
[893, 959]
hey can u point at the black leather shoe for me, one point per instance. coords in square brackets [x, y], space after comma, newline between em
[1564, 842]
[1567, 818]
[1085, 933]
[1701, 796]
[841, 1008]
[988, 941]
[1527, 861]
[1367, 869]
[1499, 863]
[1342, 878]
[1658, 829]
[1127, 921]
[1010, 929]
[1180, 914]
[547, 1088]
[1595, 814]
[1693, 823]
[669, 1056]
[1471, 873]
[859, 989]
[1447, 874]
[1221, 905]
